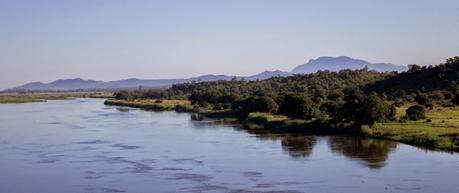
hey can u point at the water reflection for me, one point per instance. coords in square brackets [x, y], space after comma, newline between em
[298, 146]
[370, 153]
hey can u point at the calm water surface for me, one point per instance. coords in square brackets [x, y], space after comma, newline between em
[83, 146]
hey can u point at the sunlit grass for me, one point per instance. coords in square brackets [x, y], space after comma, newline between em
[266, 117]
[151, 104]
[442, 130]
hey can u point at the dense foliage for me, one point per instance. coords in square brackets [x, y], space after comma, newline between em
[423, 83]
[347, 97]
[298, 107]
[317, 86]
[373, 109]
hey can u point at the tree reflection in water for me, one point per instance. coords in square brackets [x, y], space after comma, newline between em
[298, 146]
[373, 153]
[369, 152]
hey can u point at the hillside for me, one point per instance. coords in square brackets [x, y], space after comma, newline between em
[443, 77]
[318, 84]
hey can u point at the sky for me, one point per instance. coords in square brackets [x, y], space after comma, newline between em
[117, 39]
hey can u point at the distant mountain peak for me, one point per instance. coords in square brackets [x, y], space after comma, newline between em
[269, 74]
[343, 62]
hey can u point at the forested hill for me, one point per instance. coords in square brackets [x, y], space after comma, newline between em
[319, 84]
[443, 77]
[344, 99]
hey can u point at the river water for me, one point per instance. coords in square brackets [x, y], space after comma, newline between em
[67, 146]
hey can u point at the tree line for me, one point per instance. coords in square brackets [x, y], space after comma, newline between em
[347, 97]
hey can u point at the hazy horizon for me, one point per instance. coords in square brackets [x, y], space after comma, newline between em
[111, 40]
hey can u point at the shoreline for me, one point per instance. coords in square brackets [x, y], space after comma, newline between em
[281, 124]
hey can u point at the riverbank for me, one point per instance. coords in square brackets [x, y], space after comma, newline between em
[441, 132]
[28, 97]
[277, 123]
[154, 105]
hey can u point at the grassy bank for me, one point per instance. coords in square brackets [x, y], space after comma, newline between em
[44, 96]
[441, 131]
[156, 105]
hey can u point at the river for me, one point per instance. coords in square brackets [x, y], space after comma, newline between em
[80, 145]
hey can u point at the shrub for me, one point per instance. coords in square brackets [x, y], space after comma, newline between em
[365, 130]
[228, 99]
[416, 112]
[331, 108]
[373, 109]
[298, 107]
[124, 95]
[455, 100]
[256, 104]
[423, 100]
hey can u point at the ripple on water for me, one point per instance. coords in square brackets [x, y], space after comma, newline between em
[126, 147]
[55, 123]
[190, 176]
[252, 174]
[93, 142]
[89, 175]
[274, 191]
[188, 160]
[90, 188]
[47, 161]
[142, 166]
[175, 169]
[205, 187]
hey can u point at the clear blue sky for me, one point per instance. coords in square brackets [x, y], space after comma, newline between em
[44, 40]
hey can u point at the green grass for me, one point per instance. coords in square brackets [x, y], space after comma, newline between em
[19, 99]
[150, 104]
[441, 133]
[43, 96]
[265, 117]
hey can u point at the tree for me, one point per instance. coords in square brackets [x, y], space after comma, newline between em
[229, 98]
[204, 98]
[349, 111]
[256, 104]
[416, 112]
[124, 95]
[331, 108]
[455, 100]
[335, 96]
[413, 68]
[373, 109]
[423, 100]
[298, 107]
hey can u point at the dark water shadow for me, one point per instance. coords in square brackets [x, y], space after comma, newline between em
[370, 153]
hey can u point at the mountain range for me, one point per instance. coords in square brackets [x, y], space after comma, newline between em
[314, 65]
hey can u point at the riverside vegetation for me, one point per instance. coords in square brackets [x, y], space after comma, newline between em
[417, 107]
